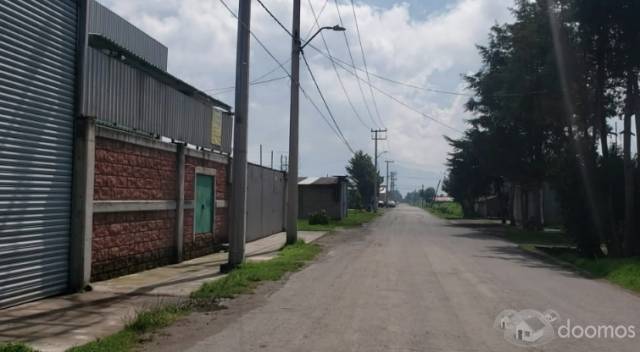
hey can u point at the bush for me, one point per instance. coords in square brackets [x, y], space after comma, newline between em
[319, 218]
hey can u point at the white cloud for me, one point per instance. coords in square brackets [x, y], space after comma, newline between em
[430, 52]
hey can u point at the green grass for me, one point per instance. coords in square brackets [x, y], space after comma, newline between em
[621, 271]
[241, 280]
[245, 278]
[537, 237]
[446, 210]
[354, 218]
[15, 347]
[145, 322]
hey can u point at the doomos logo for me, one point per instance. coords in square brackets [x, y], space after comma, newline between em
[527, 327]
[530, 328]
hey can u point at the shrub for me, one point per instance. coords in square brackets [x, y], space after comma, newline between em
[319, 218]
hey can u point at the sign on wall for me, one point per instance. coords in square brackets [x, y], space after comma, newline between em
[216, 127]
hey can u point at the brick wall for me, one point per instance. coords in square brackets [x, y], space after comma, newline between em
[129, 172]
[125, 243]
[128, 242]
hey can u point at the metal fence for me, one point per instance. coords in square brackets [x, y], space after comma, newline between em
[265, 201]
[103, 21]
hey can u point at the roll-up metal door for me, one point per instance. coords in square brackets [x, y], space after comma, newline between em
[37, 65]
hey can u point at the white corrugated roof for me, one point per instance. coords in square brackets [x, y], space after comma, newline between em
[308, 180]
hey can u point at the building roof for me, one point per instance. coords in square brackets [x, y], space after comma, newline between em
[319, 181]
[534, 323]
[112, 48]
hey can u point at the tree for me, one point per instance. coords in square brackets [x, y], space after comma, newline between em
[548, 85]
[429, 194]
[468, 177]
[362, 174]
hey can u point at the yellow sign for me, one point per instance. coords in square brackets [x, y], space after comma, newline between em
[216, 127]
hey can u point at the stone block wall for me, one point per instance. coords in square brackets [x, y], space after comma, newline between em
[126, 242]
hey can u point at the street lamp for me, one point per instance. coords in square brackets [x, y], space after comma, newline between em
[336, 28]
[292, 176]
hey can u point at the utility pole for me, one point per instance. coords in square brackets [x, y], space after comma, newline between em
[376, 187]
[260, 154]
[292, 175]
[386, 193]
[272, 159]
[393, 181]
[422, 197]
[239, 164]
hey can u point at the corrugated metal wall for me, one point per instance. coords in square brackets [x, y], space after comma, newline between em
[105, 22]
[265, 201]
[123, 95]
[37, 62]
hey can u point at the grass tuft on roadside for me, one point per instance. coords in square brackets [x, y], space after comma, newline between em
[621, 271]
[537, 237]
[245, 278]
[145, 322]
[446, 210]
[15, 347]
[355, 218]
[241, 280]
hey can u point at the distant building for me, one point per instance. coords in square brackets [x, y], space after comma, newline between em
[443, 198]
[322, 193]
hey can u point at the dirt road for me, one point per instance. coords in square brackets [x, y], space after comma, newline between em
[410, 282]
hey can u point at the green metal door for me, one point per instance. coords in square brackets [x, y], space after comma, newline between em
[204, 203]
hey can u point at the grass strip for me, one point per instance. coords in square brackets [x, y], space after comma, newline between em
[15, 347]
[624, 272]
[245, 278]
[145, 322]
[446, 210]
[537, 237]
[241, 280]
[355, 218]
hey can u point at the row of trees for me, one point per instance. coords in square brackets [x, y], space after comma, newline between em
[421, 196]
[550, 87]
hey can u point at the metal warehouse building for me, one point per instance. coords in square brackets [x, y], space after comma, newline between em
[328, 194]
[86, 112]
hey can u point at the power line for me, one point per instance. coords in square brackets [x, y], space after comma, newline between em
[364, 61]
[287, 73]
[313, 25]
[275, 18]
[252, 83]
[346, 41]
[335, 69]
[342, 64]
[326, 105]
[451, 92]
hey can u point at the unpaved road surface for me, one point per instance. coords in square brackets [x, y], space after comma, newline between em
[409, 282]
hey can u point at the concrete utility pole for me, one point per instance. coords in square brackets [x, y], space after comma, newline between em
[239, 164]
[386, 193]
[376, 187]
[292, 175]
[393, 180]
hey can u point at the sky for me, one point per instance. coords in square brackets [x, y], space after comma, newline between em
[426, 43]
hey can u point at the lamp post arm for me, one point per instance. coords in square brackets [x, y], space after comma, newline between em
[314, 35]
